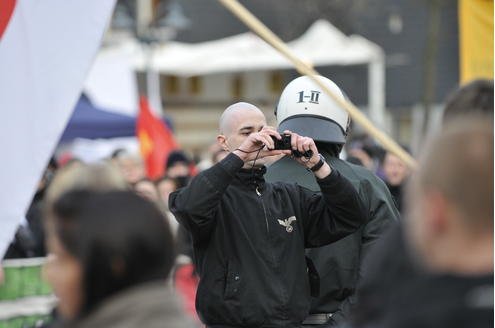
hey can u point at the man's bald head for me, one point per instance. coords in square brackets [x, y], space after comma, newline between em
[230, 114]
[459, 165]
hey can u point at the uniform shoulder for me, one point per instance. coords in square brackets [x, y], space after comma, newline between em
[354, 170]
[359, 174]
[372, 190]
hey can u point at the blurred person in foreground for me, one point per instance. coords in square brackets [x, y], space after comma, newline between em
[449, 229]
[375, 291]
[338, 265]
[78, 175]
[249, 235]
[110, 254]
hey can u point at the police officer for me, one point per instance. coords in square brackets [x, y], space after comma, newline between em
[305, 109]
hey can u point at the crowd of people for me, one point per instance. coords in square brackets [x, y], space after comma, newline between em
[327, 231]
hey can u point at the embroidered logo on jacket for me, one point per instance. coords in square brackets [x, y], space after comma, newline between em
[287, 223]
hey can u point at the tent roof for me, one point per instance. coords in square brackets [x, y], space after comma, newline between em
[88, 121]
[322, 44]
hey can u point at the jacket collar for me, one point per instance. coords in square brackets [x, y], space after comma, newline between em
[253, 178]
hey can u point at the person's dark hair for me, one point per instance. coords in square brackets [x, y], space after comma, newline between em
[177, 156]
[120, 239]
[475, 97]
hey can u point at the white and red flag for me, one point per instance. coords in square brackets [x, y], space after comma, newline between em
[46, 50]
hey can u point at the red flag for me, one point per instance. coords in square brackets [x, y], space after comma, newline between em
[156, 140]
[6, 10]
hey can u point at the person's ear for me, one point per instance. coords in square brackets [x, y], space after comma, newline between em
[437, 218]
[222, 141]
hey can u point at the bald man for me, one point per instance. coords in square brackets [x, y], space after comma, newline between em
[249, 236]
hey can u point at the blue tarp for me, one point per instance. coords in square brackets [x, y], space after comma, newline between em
[88, 121]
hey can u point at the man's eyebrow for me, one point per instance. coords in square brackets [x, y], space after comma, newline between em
[250, 127]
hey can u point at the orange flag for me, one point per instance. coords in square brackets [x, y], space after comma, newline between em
[156, 140]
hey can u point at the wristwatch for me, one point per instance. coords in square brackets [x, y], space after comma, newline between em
[318, 165]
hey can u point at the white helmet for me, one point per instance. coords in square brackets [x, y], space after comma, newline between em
[305, 109]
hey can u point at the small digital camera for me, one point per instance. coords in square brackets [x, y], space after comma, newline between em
[282, 144]
[285, 144]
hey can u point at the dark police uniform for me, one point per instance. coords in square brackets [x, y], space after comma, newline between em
[339, 265]
[249, 239]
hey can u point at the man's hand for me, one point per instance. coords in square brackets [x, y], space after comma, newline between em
[303, 144]
[259, 144]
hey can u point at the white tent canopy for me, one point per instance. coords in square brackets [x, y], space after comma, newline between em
[321, 45]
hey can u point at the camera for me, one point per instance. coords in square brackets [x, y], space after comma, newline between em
[282, 144]
[285, 144]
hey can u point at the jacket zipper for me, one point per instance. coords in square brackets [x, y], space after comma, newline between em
[264, 209]
[271, 254]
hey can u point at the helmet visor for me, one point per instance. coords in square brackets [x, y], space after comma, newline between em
[316, 127]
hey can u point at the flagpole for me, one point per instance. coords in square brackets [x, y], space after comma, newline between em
[153, 82]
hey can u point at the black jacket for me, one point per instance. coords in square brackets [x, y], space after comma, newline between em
[340, 265]
[442, 301]
[438, 301]
[249, 250]
[375, 292]
[405, 295]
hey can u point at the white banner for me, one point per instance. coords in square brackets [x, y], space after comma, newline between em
[111, 83]
[46, 51]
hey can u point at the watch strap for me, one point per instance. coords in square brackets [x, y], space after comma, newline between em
[318, 165]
